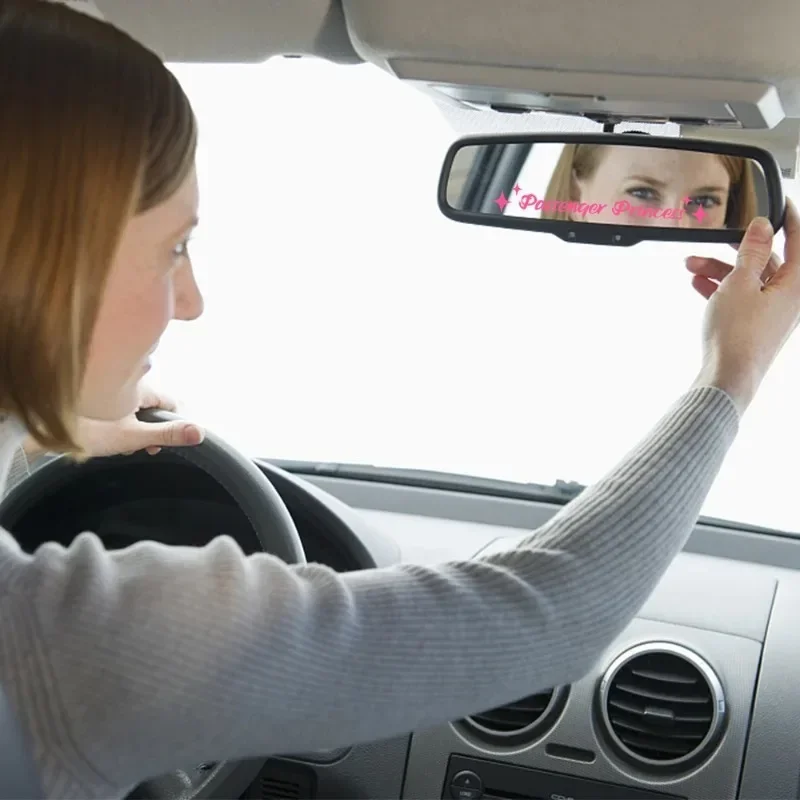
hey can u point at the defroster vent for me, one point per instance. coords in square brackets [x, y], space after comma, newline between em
[661, 705]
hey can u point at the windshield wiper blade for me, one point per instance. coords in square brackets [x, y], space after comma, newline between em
[558, 492]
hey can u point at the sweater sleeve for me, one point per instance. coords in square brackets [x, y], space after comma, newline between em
[128, 664]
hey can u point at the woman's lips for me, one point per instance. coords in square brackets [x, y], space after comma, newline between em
[147, 363]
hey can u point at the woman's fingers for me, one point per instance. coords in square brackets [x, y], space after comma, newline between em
[717, 270]
[704, 286]
[149, 398]
[773, 265]
[791, 246]
[708, 267]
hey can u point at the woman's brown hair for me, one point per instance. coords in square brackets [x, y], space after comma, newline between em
[93, 130]
[579, 161]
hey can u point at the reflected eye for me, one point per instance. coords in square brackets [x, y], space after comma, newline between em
[705, 200]
[645, 193]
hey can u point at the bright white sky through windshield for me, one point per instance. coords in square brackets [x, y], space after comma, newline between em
[347, 320]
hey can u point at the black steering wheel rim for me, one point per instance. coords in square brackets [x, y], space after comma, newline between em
[255, 496]
[247, 485]
[252, 492]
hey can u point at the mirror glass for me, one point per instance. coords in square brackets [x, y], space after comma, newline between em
[605, 183]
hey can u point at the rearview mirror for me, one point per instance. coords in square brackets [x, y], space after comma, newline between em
[611, 188]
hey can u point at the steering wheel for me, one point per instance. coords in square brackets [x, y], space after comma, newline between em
[255, 497]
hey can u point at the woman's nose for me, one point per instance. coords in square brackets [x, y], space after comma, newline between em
[681, 216]
[188, 298]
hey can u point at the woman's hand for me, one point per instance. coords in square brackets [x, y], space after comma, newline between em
[753, 308]
[127, 435]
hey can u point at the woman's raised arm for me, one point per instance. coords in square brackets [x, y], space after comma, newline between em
[124, 664]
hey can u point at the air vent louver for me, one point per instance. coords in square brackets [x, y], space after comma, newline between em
[519, 722]
[662, 706]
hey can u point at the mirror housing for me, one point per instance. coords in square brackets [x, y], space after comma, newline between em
[611, 188]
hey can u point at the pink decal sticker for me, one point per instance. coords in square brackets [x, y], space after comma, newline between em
[581, 209]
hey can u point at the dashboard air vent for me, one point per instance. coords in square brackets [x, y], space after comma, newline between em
[662, 706]
[517, 723]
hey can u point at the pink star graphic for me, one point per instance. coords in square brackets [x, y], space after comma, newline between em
[699, 214]
[517, 188]
[501, 201]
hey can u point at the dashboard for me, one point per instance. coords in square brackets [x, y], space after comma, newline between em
[697, 698]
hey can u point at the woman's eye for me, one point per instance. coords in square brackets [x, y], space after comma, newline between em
[644, 193]
[181, 250]
[705, 200]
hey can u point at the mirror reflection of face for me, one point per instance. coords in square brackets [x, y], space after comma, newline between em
[655, 178]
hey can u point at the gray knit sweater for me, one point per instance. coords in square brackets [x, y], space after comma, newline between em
[125, 665]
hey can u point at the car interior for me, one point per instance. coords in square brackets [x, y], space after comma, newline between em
[416, 372]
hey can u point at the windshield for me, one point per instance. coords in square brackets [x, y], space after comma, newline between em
[347, 320]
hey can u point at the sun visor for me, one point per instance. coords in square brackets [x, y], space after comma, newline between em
[601, 96]
[726, 64]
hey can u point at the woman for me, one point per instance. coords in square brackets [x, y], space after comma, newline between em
[121, 665]
[684, 188]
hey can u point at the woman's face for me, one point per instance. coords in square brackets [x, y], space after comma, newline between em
[151, 283]
[641, 183]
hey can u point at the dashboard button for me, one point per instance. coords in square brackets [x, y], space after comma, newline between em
[466, 785]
